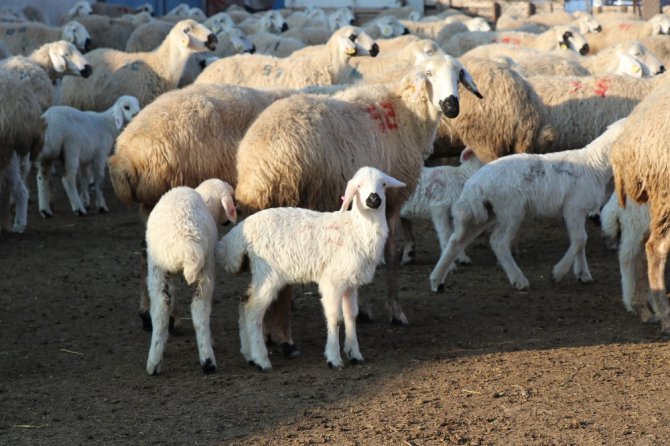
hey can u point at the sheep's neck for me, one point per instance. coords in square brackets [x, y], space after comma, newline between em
[371, 222]
[171, 60]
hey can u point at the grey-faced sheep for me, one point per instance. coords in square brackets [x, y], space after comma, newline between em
[25, 38]
[640, 164]
[143, 75]
[80, 138]
[567, 184]
[318, 141]
[181, 236]
[338, 250]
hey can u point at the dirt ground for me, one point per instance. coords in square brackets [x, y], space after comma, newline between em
[482, 364]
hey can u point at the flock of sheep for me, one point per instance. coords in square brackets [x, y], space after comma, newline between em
[318, 133]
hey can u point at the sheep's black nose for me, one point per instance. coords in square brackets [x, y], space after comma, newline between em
[661, 70]
[373, 201]
[88, 45]
[450, 107]
[284, 27]
[405, 31]
[374, 50]
[352, 21]
[598, 29]
[252, 50]
[584, 50]
[86, 72]
[212, 40]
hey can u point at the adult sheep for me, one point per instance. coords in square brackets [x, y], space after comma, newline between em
[143, 75]
[301, 150]
[640, 164]
[107, 32]
[24, 38]
[617, 31]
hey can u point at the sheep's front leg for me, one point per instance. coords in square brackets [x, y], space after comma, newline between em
[19, 192]
[43, 192]
[98, 179]
[331, 300]
[408, 250]
[397, 316]
[201, 310]
[69, 181]
[84, 184]
[349, 313]
[161, 299]
[657, 254]
[576, 253]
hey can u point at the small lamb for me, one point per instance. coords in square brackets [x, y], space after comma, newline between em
[567, 184]
[338, 250]
[438, 189]
[181, 235]
[80, 138]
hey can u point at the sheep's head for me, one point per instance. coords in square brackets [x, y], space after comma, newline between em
[316, 14]
[439, 77]
[194, 36]
[650, 64]
[238, 40]
[368, 185]
[219, 22]
[628, 66]
[340, 17]
[478, 24]
[179, 11]
[273, 21]
[124, 109]
[415, 15]
[660, 24]
[81, 8]
[67, 59]
[569, 37]
[75, 32]
[588, 24]
[364, 45]
[218, 195]
[146, 7]
[389, 27]
[424, 49]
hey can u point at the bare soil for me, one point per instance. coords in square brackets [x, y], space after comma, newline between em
[482, 364]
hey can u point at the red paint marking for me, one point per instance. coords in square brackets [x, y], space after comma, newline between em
[602, 86]
[624, 26]
[374, 114]
[389, 115]
[511, 40]
[576, 86]
[384, 113]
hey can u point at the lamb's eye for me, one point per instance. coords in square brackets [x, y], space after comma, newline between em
[429, 52]
[429, 73]
[353, 37]
[125, 107]
[187, 30]
[384, 184]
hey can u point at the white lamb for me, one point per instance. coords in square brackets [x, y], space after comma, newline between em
[567, 184]
[338, 250]
[438, 189]
[182, 231]
[80, 138]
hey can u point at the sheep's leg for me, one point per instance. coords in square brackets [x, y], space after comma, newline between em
[392, 255]
[245, 347]
[408, 250]
[258, 299]
[331, 300]
[442, 224]
[69, 181]
[642, 294]
[349, 313]
[5, 206]
[278, 322]
[201, 310]
[98, 179]
[84, 194]
[43, 188]
[19, 192]
[576, 253]
[501, 240]
[657, 253]
[161, 303]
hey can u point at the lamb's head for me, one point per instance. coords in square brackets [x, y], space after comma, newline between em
[124, 109]
[477, 24]
[340, 17]
[651, 65]
[588, 24]
[179, 11]
[138, 18]
[439, 78]
[237, 39]
[424, 49]
[193, 36]
[390, 27]
[469, 159]
[569, 37]
[363, 44]
[75, 32]
[367, 189]
[660, 24]
[81, 8]
[67, 59]
[273, 21]
[219, 22]
[218, 196]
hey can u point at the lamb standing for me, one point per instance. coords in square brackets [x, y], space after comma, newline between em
[181, 236]
[80, 138]
[567, 184]
[338, 250]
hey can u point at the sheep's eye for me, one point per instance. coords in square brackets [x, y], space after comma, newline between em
[384, 184]
[429, 52]
[353, 37]
[187, 30]
[429, 73]
[125, 107]
[567, 34]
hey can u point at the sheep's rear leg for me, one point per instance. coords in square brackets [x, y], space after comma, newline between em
[501, 242]
[576, 254]
[408, 250]
[19, 192]
[349, 313]
[259, 298]
[161, 298]
[201, 310]
[331, 300]
[175, 325]
[43, 178]
[442, 224]
[98, 179]
[69, 181]
[657, 253]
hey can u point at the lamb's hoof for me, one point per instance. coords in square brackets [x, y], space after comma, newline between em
[355, 361]
[436, 286]
[289, 351]
[146, 321]
[332, 365]
[399, 322]
[46, 214]
[585, 279]
[408, 258]
[153, 371]
[441, 289]
[521, 284]
[363, 318]
[80, 213]
[18, 229]
[103, 210]
[208, 367]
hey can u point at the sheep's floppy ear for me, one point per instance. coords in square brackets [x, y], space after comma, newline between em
[352, 187]
[185, 38]
[564, 44]
[391, 182]
[466, 154]
[118, 116]
[229, 207]
[465, 78]
[58, 62]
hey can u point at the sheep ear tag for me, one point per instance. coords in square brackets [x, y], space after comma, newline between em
[562, 46]
[386, 30]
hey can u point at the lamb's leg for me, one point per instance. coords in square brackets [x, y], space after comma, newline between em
[657, 253]
[349, 313]
[331, 300]
[442, 224]
[43, 192]
[161, 303]
[408, 251]
[20, 194]
[69, 181]
[84, 194]
[98, 179]
[201, 310]
[245, 347]
[501, 242]
[277, 322]
[259, 298]
[576, 253]
[397, 316]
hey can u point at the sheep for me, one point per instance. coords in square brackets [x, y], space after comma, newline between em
[341, 17]
[438, 189]
[404, 12]
[107, 32]
[429, 30]
[659, 46]
[275, 45]
[184, 11]
[79, 9]
[316, 18]
[338, 250]
[558, 37]
[315, 141]
[639, 163]
[181, 236]
[621, 31]
[218, 22]
[80, 138]
[116, 10]
[631, 226]
[385, 27]
[143, 75]
[586, 23]
[4, 52]
[510, 119]
[567, 184]
[326, 67]
[269, 21]
[148, 36]
[25, 38]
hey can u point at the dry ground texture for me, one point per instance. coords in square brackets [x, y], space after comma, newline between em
[482, 364]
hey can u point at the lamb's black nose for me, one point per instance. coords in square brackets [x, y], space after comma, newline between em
[661, 70]
[212, 40]
[373, 201]
[86, 72]
[598, 29]
[405, 31]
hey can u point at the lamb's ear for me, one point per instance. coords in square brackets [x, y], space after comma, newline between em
[466, 154]
[118, 117]
[229, 206]
[564, 44]
[349, 193]
[391, 182]
[58, 62]
[465, 78]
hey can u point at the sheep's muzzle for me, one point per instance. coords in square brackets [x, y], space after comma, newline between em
[252, 50]
[88, 45]
[374, 50]
[405, 31]
[450, 106]
[373, 201]
[211, 42]
[284, 27]
[661, 70]
[86, 72]
[584, 50]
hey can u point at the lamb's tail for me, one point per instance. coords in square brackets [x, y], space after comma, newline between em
[124, 178]
[194, 260]
[231, 250]
[473, 207]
